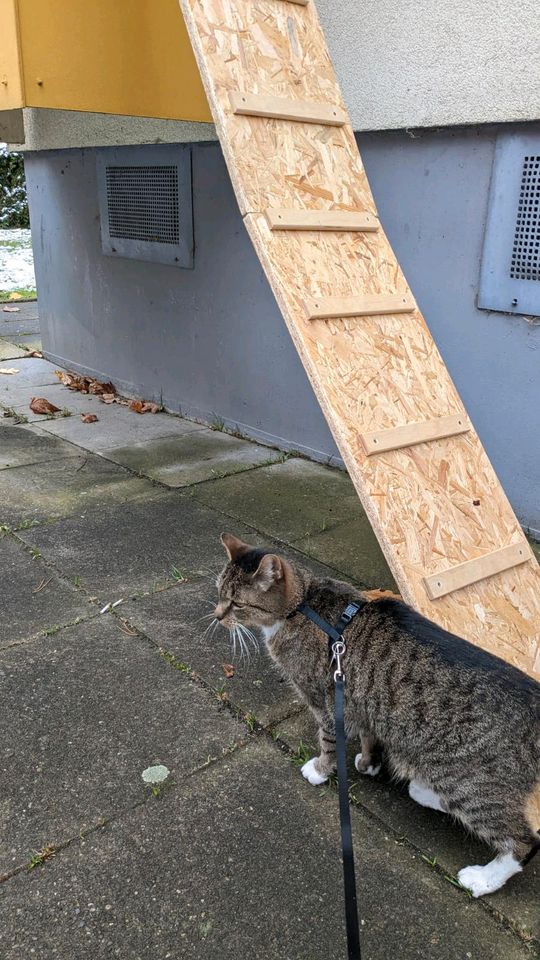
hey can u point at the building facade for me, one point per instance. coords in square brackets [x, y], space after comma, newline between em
[445, 102]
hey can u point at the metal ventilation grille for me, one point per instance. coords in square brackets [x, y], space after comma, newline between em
[526, 250]
[142, 203]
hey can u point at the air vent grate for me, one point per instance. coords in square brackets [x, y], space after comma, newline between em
[525, 263]
[142, 203]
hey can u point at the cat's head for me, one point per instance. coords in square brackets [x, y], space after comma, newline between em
[255, 586]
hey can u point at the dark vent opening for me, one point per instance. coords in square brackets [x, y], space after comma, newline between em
[142, 203]
[526, 249]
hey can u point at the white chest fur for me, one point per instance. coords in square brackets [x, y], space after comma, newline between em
[270, 632]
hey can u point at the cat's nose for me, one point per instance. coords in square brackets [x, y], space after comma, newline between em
[219, 612]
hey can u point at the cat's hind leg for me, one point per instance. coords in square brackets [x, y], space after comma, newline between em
[318, 769]
[514, 854]
[369, 761]
[481, 880]
[425, 796]
[507, 830]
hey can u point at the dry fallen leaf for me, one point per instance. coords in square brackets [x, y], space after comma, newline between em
[136, 405]
[41, 405]
[100, 388]
[85, 384]
[108, 398]
[35, 353]
[88, 417]
[8, 371]
[228, 670]
[70, 380]
[11, 309]
[150, 407]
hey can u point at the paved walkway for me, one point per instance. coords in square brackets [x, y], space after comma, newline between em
[234, 855]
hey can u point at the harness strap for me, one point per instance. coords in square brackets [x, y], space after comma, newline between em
[334, 634]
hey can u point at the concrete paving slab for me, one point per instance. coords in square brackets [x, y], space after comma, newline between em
[30, 341]
[123, 550]
[18, 393]
[64, 486]
[30, 370]
[313, 507]
[20, 446]
[17, 325]
[28, 309]
[83, 714]
[353, 549]
[178, 620]
[26, 609]
[288, 500]
[182, 461]
[69, 402]
[9, 351]
[66, 400]
[440, 839]
[240, 860]
[117, 426]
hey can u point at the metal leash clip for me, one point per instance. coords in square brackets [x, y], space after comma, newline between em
[338, 650]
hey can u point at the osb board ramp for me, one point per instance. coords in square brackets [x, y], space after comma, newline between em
[433, 505]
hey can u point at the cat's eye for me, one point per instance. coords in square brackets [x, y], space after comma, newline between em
[238, 606]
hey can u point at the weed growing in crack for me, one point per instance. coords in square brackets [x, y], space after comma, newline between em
[26, 524]
[177, 575]
[44, 854]
[250, 719]
[302, 754]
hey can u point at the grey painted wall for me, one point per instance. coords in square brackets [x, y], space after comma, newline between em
[212, 340]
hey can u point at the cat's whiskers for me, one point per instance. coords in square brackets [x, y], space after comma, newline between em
[237, 634]
[250, 635]
[207, 616]
[210, 630]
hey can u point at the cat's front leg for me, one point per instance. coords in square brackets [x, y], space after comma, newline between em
[318, 769]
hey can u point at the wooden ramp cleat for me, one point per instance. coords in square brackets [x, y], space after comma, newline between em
[340, 221]
[366, 305]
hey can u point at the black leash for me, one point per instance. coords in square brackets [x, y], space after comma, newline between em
[337, 647]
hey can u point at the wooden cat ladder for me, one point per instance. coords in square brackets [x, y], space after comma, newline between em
[449, 534]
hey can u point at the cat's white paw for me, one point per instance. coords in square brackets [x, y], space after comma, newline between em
[474, 879]
[370, 771]
[311, 774]
[491, 877]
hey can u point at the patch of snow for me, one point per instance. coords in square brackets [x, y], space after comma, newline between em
[16, 260]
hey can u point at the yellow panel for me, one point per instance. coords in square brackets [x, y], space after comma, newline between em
[124, 57]
[11, 89]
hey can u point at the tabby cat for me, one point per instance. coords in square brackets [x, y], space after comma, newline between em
[461, 725]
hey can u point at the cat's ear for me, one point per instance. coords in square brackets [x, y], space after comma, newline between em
[234, 547]
[270, 571]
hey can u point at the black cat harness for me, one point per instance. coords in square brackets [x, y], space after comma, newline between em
[336, 651]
